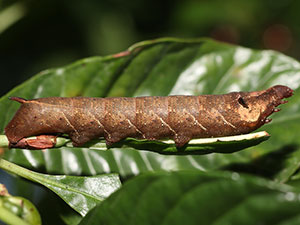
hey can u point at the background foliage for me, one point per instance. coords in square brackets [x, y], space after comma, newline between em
[53, 33]
[37, 35]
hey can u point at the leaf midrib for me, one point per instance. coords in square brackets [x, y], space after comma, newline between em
[40, 178]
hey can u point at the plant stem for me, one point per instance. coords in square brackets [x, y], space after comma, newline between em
[43, 179]
[17, 170]
[195, 146]
[28, 174]
[3, 141]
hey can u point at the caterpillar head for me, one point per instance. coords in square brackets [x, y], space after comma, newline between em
[256, 107]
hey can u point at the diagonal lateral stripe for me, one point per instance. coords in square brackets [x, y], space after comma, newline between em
[223, 118]
[69, 123]
[100, 124]
[196, 121]
[167, 125]
[137, 130]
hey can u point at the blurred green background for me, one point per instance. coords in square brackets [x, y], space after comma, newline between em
[36, 35]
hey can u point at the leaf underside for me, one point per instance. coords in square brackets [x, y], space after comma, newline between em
[194, 147]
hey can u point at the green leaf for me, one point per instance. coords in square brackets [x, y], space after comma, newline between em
[81, 193]
[196, 146]
[197, 198]
[166, 67]
[69, 216]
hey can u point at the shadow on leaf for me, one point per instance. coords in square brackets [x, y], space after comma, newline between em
[268, 165]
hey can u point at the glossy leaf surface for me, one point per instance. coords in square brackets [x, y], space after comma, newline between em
[82, 193]
[198, 198]
[166, 67]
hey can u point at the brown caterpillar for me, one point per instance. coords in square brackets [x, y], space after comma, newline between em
[176, 117]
